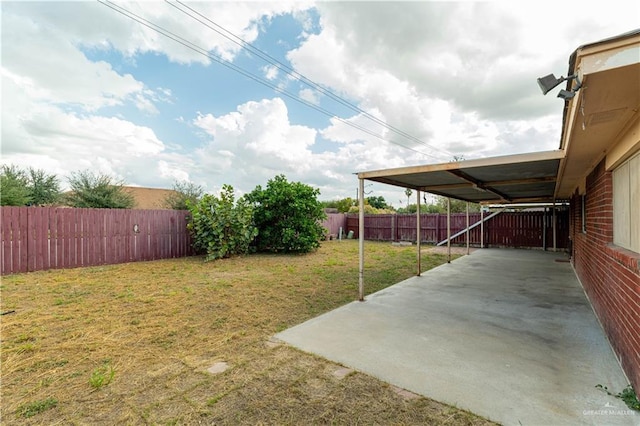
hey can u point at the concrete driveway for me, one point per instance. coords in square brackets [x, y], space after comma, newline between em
[506, 334]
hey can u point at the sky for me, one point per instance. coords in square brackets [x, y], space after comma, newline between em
[237, 93]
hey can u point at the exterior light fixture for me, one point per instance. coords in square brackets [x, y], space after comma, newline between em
[566, 94]
[550, 81]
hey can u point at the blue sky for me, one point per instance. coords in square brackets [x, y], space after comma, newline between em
[84, 87]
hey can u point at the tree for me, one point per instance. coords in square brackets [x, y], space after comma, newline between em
[184, 193]
[97, 191]
[457, 206]
[220, 226]
[14, 189]
[408, 193]
[43, 188]
[288, 216]
[343, 205]
[378, 202]
[424, 208]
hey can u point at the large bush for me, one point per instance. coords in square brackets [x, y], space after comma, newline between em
[14, 189]
[27, 187]
[221, 227]
[100, 191]
[288, 216]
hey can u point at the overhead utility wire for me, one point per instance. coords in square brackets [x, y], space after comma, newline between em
[288, 70]
[238, 69]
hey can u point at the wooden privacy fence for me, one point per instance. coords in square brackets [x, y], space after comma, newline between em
[334, 222]
[40, 238]
[508, 229]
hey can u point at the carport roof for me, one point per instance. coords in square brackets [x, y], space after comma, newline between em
[506, 179]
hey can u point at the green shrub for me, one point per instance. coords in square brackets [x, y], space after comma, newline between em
[221, 227]
[288, 216]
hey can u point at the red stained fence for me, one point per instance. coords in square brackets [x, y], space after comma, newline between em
[40, 238]
[334, 222]
[507, 229]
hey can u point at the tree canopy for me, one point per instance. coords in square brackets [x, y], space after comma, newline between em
[13, 187]
[185, 193]
[288, 216]
[95, 190]
[44, 189]
[20, 187]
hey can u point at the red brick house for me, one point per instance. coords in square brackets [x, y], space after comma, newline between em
[601, 137]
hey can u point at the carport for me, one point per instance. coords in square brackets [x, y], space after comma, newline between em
[507, 334]
[510, 179]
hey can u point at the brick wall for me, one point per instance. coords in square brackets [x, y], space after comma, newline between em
[610, 275]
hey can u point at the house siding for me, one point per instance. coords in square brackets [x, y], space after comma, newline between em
[609, 274]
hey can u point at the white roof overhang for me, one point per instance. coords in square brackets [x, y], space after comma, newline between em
[505, 179]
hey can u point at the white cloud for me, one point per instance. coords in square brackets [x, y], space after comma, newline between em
[456, 75]
[251, 145]
[256, 139]
[60, 142]
[310, 96]
[270, 72]
[64, 77]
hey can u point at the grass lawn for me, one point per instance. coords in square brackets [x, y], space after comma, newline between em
[132, 343]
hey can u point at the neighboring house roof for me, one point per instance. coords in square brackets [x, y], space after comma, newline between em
[602, 119]
[149, 198]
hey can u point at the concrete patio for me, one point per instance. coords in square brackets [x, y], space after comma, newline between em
[506, 334]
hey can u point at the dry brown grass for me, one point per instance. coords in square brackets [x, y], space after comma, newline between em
[160, 325]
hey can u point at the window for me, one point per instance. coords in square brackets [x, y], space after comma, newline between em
[626, 204]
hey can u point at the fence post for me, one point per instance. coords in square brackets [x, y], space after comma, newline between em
[554, 226]
[448, 230]
[361, 240]
[418, 230]
[467, 227]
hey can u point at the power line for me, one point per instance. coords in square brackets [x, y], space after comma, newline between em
[188, 44]
[288, 70]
